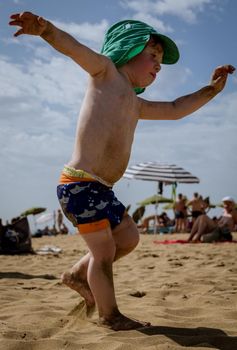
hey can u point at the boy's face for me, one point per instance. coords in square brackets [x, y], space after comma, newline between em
[146, 65]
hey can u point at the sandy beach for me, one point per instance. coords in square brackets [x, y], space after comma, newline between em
[187, 291]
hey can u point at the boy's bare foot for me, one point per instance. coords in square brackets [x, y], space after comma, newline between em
[80, 286]
[123, 323]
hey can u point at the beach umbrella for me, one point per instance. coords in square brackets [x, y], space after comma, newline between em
[168, 206]
[156, 199]
[162, 173]
[33, 211]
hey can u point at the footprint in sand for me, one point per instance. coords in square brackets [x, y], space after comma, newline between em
[137, 294]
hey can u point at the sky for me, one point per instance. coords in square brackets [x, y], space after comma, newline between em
[41, 92]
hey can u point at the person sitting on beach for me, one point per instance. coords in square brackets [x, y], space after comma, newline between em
[158, 223]
[129, 61]
[208, 230]
[147, 222]
[164, 220]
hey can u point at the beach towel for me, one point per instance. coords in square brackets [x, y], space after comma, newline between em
[126, 39]
[171, 241]
[183, 241]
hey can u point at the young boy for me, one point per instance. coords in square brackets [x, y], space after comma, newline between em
[131, 58]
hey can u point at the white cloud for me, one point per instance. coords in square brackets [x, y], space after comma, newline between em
[143, 12]
[185, 9]
[55, 80]
[85, 31]
[153, 21]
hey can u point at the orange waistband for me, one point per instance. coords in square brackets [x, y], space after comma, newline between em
[67, 179]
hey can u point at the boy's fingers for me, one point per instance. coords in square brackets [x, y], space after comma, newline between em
[15, 15]
[223, 71]
[21, 15]
[15, 23]
[228, 68]
[231, 69]
[19, 32]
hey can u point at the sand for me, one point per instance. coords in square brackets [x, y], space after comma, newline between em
[188, 292]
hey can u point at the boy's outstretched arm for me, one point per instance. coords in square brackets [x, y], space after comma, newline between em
[188, 104]
[31, 24]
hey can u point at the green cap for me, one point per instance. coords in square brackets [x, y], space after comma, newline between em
[126, 39]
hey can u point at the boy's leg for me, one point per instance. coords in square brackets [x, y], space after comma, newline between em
[126, 237]
[105, 247]
[100, 278]
[99, 274]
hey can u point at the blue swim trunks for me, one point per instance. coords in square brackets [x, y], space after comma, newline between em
[90, 205]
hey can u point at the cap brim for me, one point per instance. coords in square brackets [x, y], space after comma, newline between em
[171, 52]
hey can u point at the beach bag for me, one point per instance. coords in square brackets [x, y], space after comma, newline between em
[16, 238]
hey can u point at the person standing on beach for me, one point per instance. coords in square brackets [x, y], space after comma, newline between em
[197, 205]
[180, 213]
[129, 61]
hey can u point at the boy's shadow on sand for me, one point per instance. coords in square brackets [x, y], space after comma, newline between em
[201, 336]
[25, 276]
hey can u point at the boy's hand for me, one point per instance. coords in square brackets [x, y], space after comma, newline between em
[29, 23]
[219, 76]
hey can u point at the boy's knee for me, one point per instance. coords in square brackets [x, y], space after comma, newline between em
[134, 240]
[130, 246]
[104, 257]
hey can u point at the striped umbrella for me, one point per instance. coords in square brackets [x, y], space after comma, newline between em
[162, 172]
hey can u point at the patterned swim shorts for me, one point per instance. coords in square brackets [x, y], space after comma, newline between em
[90, 205]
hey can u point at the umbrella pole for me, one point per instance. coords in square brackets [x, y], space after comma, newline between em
[35, 224]
[156, 217]
[156, 210]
